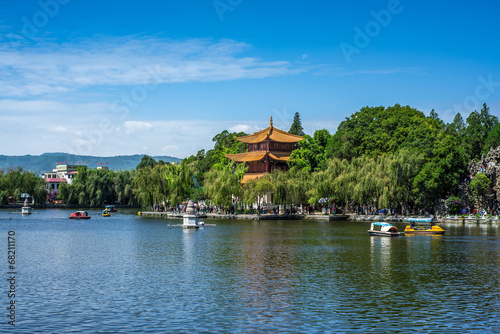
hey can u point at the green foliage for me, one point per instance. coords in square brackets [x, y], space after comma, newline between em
[169, 184]
[17, 181]
[97, 187]
[454, 204]
[441, 172]
[257, 188]
[480, 186]
[311, 151]
[146, 161]
[296, 128]
[493, 139]
[375, 131]
[90, 187]
[434, 116]
[223, 183]
[288, 187]
[457, 127]
[385, 157]
[479, 126]
[122, 185]
[224, 143]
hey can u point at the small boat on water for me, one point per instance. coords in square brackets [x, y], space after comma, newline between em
[26, 209]
[111, 208]
[106, 213]
[383, 229]
[422, 226]
[79, 215]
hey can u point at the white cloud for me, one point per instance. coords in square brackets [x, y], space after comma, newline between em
[169, 148]
[244, 128]
[69, 91]
[132, 126]
[60, 129]
[49, 108]
[178, 138]
[34, 71]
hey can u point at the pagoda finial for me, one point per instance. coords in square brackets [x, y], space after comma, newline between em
[271, 120]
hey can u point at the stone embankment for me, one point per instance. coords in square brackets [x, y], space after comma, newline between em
[323, 217]
[490, 166]
[447, 219]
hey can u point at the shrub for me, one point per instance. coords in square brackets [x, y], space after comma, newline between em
[454, 204]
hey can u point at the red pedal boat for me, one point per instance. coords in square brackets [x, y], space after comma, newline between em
[79, 215]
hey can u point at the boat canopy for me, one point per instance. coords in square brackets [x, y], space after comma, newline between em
[381, 224]
[419, 220]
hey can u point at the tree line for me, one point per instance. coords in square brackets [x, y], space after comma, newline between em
[393, 157]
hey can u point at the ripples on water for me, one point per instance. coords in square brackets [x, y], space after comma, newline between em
[130, 274]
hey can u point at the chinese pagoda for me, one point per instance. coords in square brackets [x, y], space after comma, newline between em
[265, 150]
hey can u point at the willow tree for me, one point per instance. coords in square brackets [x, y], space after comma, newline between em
[322, 182]
[257, 188]
[362, 181]
[298, 184]
[151, 185]
[17, 181]
[223, 183]
[179, 182]
[404, 167]
[123, 187]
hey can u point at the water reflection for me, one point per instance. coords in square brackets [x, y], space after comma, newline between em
[267, 275]
[381, 253]
[138, 275]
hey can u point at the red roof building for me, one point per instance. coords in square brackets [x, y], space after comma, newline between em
[265, 150]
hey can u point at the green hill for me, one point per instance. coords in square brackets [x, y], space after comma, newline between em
[48, 161]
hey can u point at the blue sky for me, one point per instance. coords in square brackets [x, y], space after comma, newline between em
[164, 77]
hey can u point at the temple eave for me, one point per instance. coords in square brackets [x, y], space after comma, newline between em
[251, 157]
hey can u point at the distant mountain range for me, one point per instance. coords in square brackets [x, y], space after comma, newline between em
[48, 161]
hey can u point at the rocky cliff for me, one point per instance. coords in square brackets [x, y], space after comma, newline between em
[490, 166]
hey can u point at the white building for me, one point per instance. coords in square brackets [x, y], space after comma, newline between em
[61, 174]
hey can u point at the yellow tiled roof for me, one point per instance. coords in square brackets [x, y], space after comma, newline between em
[244, 157]
[273, 134]
[258, 156]
[281, 156]
[251, 176]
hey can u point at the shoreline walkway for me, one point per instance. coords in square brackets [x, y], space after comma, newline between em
[325, 217]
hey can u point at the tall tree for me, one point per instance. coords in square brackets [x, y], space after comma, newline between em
[146, 161]
[493, 139]
[16, 181]
[434, 115]
[479, 187]
[311, 151]
[479, 126]
[257, 188]
[457, 127]
[222, 183]
[296, 128]
[378, 130]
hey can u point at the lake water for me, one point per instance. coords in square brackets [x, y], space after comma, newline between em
[127, 274]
